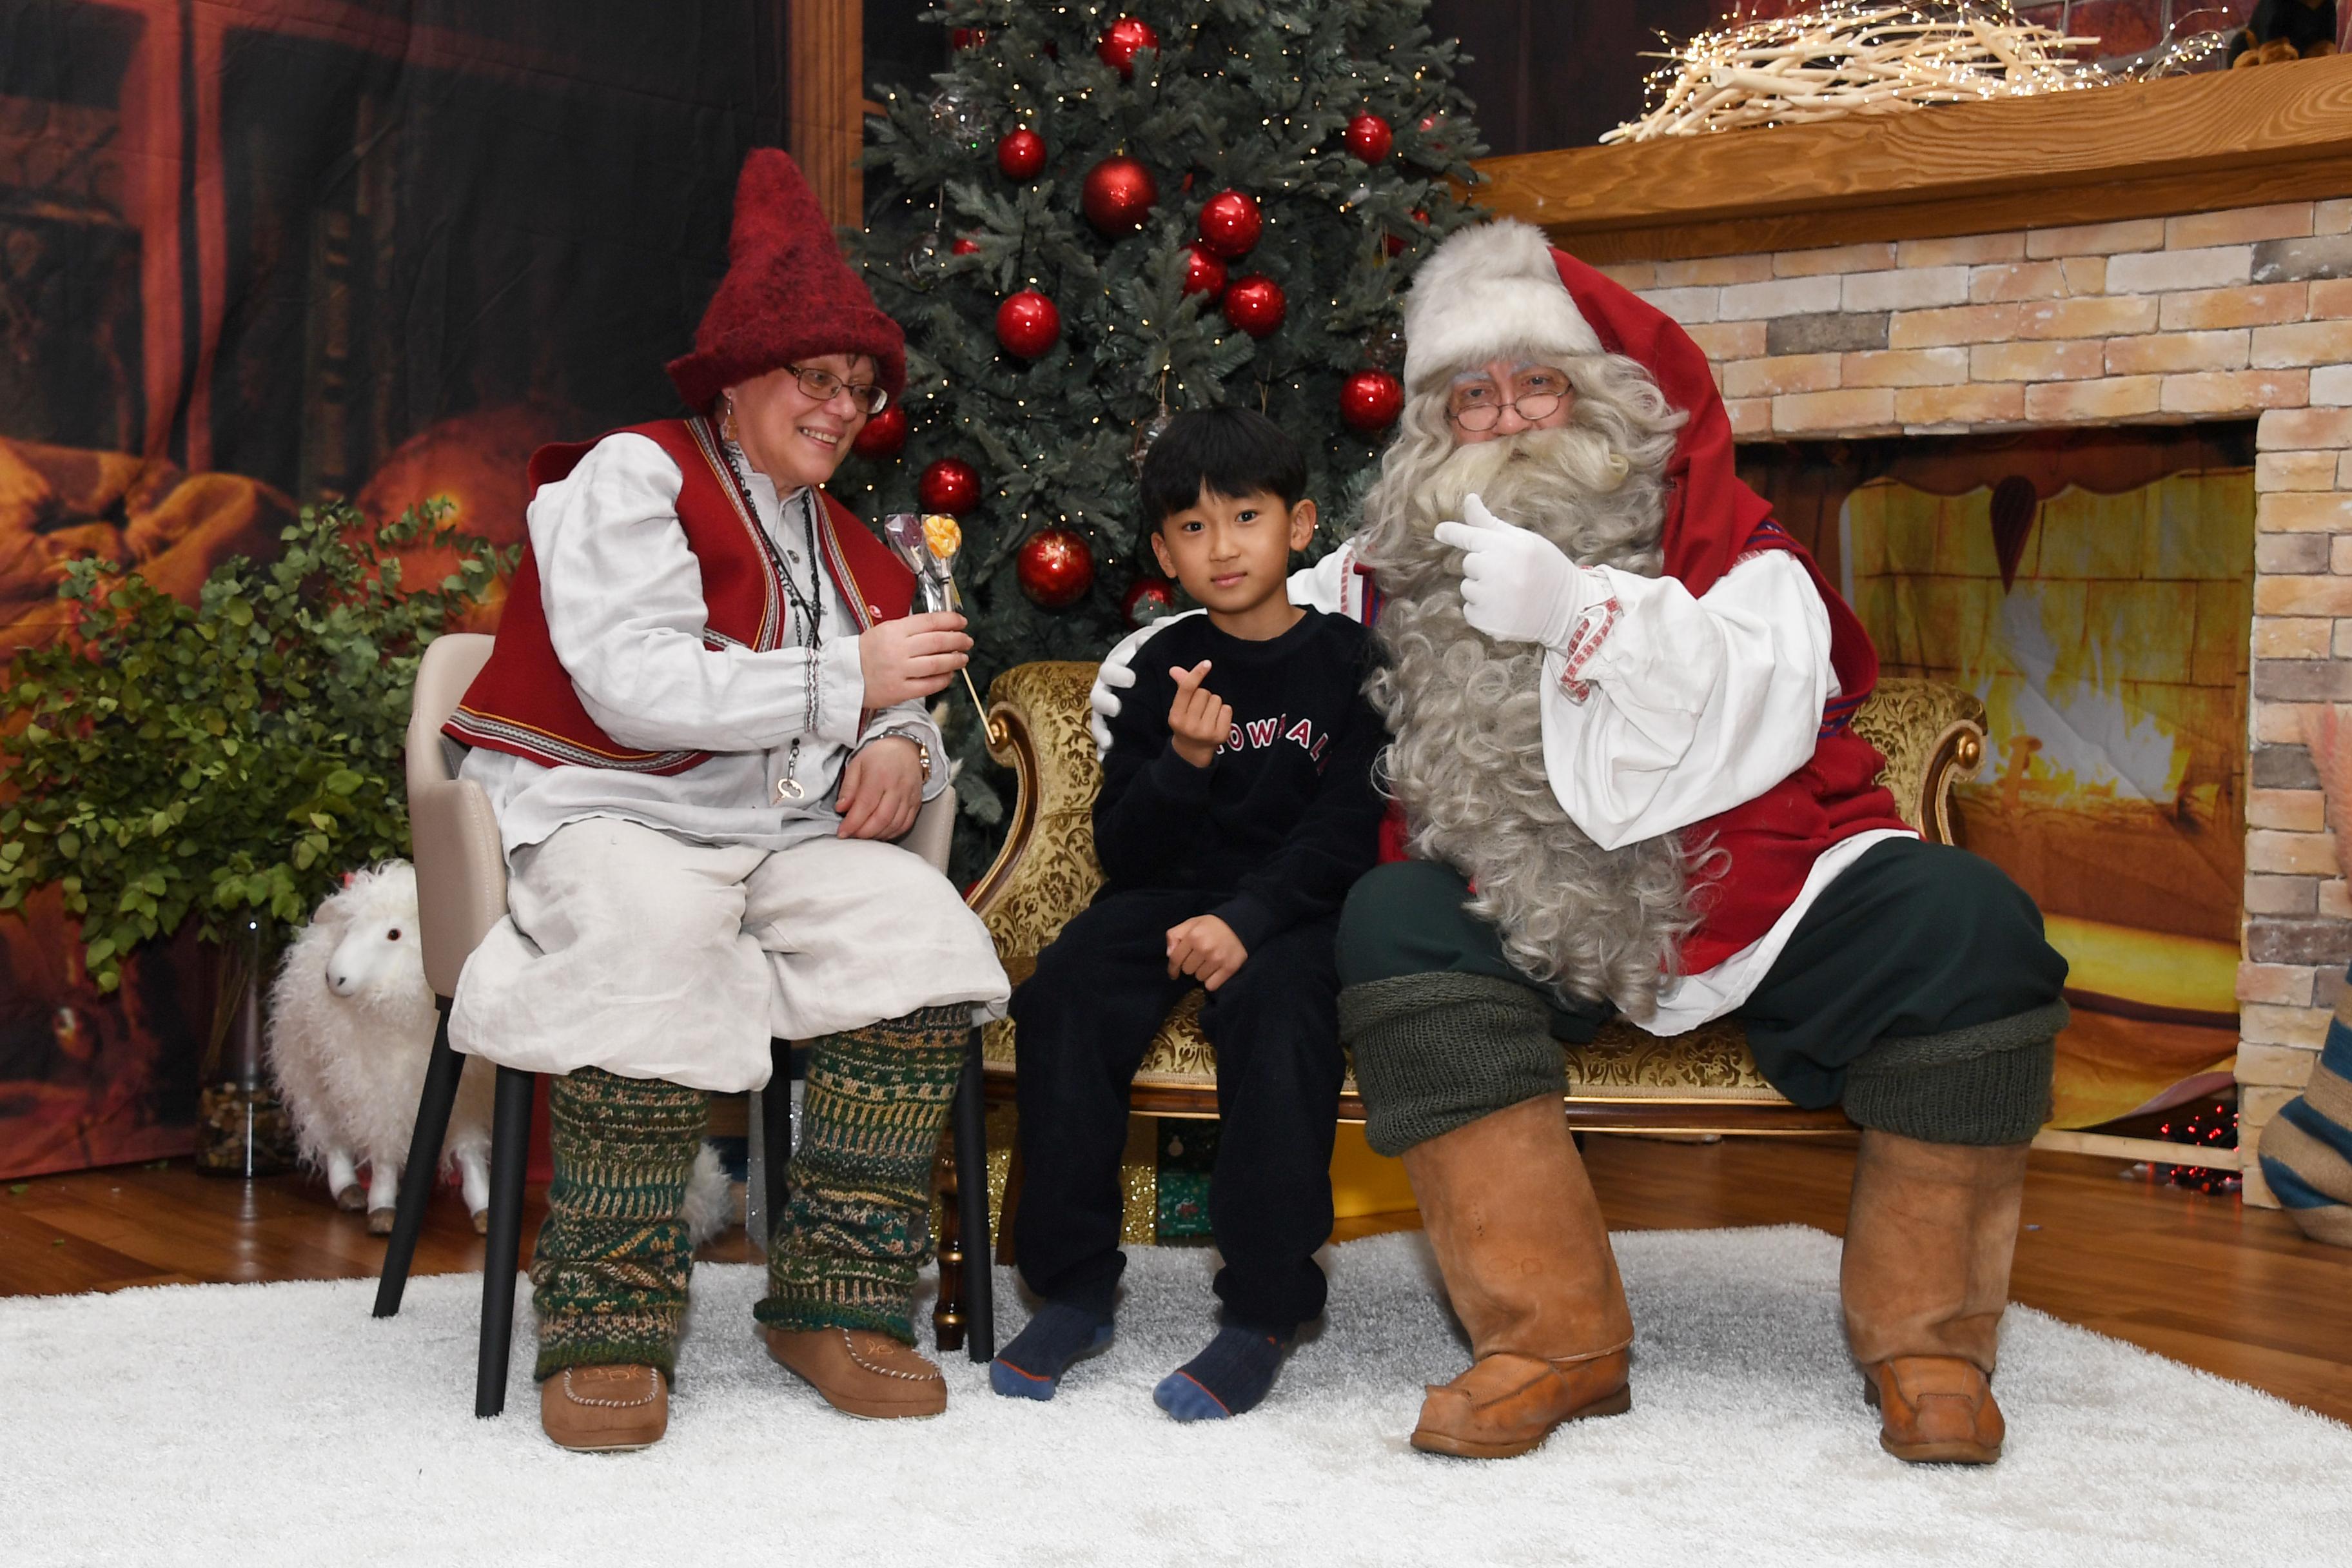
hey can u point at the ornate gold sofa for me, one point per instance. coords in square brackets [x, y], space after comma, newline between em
[1625, 1080]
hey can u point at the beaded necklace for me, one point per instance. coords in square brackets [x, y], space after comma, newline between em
[808, 608]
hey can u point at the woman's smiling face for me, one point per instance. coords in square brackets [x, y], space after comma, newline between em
[793, 437]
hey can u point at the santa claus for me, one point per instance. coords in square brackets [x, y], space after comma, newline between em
[1626, 784]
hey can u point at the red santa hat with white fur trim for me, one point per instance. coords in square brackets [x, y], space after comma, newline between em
[1501, 290]
[1486, 292]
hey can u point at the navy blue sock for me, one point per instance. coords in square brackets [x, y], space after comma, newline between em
[1031, 1367]
[1231, 1376]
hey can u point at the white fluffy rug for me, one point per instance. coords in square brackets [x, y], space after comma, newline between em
[264, 1424]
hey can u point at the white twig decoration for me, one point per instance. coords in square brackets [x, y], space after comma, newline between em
[1853, 57]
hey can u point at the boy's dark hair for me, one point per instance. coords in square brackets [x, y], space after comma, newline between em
[1228, 452]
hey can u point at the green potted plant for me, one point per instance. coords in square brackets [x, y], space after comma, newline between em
[225, 763]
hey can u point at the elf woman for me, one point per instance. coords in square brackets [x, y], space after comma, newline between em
[701, 726]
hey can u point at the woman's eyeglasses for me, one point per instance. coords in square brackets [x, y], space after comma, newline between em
[824, 386]
[1536, 395]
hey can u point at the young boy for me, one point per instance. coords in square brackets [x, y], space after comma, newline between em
[1237, 807]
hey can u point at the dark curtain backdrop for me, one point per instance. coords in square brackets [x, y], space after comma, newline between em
[256, 250]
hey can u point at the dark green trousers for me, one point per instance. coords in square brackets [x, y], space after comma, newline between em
[1917, 992]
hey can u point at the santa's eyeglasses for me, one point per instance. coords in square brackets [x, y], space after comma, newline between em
[1536, 395]
[824, 386]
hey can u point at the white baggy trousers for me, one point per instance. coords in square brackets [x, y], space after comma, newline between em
[655, 957]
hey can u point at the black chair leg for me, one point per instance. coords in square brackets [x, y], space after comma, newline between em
[776, 1133]
[502, 1248]
[442, 1071]
[970, 1126]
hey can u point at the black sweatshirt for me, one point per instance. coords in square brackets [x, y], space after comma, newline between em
[1284, 817]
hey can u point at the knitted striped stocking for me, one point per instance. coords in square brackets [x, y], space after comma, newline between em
[858, 1222]
[608, 1277]
[2306, 1152]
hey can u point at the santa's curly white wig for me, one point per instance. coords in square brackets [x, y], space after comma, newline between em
[1468, 763]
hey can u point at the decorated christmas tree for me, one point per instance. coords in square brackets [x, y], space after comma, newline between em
[1097, 218]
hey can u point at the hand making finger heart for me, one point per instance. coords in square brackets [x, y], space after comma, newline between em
[1198, 721]
[1516, 586]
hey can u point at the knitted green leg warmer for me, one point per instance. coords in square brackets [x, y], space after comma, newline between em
[1434, 1052]
[858, 1222]
[1986, 1084]
[608, 1277]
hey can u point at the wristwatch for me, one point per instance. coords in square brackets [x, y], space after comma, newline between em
[922, 747]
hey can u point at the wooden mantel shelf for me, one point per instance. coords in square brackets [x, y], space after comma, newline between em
[2181, 144]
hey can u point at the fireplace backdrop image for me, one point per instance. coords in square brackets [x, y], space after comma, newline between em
[252, 254]
[2096, 590]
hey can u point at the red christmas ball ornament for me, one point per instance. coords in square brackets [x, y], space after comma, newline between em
[1369, 137]
[1118, 196]
[1255, 305]
[1231, 223]
[1369, 401]
[964, 246]
[1396, 242]
[950, 485]
[1203, 273]
[1147, 599]
[884, 434]
[1122, 40]
[1021, 155]
[1057, 567]
[1028, 324]
[963, 39]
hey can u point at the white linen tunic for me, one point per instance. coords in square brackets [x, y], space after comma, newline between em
[667, 926]
[1679, 707]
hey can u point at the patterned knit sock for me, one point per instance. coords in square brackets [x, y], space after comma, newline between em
[1031, 1367]
[1227, 1379]
[858, 1222]
[608, 1277]
[2306, 1152]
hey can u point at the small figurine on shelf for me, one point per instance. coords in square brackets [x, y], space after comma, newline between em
[2284, 30]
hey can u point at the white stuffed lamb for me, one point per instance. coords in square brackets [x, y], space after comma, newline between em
[351, 1028]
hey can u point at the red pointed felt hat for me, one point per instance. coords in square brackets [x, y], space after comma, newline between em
[788, 294]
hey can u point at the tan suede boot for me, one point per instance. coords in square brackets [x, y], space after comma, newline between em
[1928, 1240]
[1518, 1236]
[608, 1409]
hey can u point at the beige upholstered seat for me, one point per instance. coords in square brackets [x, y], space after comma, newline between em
[1701, 1081]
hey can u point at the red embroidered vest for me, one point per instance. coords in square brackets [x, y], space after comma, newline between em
[523, 702]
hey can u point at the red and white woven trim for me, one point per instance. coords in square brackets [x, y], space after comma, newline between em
[1593, 629]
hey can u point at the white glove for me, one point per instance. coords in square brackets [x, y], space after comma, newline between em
[1517, 586]
[1115, 674]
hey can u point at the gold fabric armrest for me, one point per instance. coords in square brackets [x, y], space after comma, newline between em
[1046, 871]
[1932, 735]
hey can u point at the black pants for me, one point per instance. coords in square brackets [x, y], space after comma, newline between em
[1083, 1023]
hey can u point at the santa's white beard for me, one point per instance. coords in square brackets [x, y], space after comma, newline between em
[1468, 763]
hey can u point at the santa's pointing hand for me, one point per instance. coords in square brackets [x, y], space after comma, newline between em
[1517, 586]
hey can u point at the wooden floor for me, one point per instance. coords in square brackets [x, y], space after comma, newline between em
[2237, 1291]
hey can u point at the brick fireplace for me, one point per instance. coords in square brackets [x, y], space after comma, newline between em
[1953, 288]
